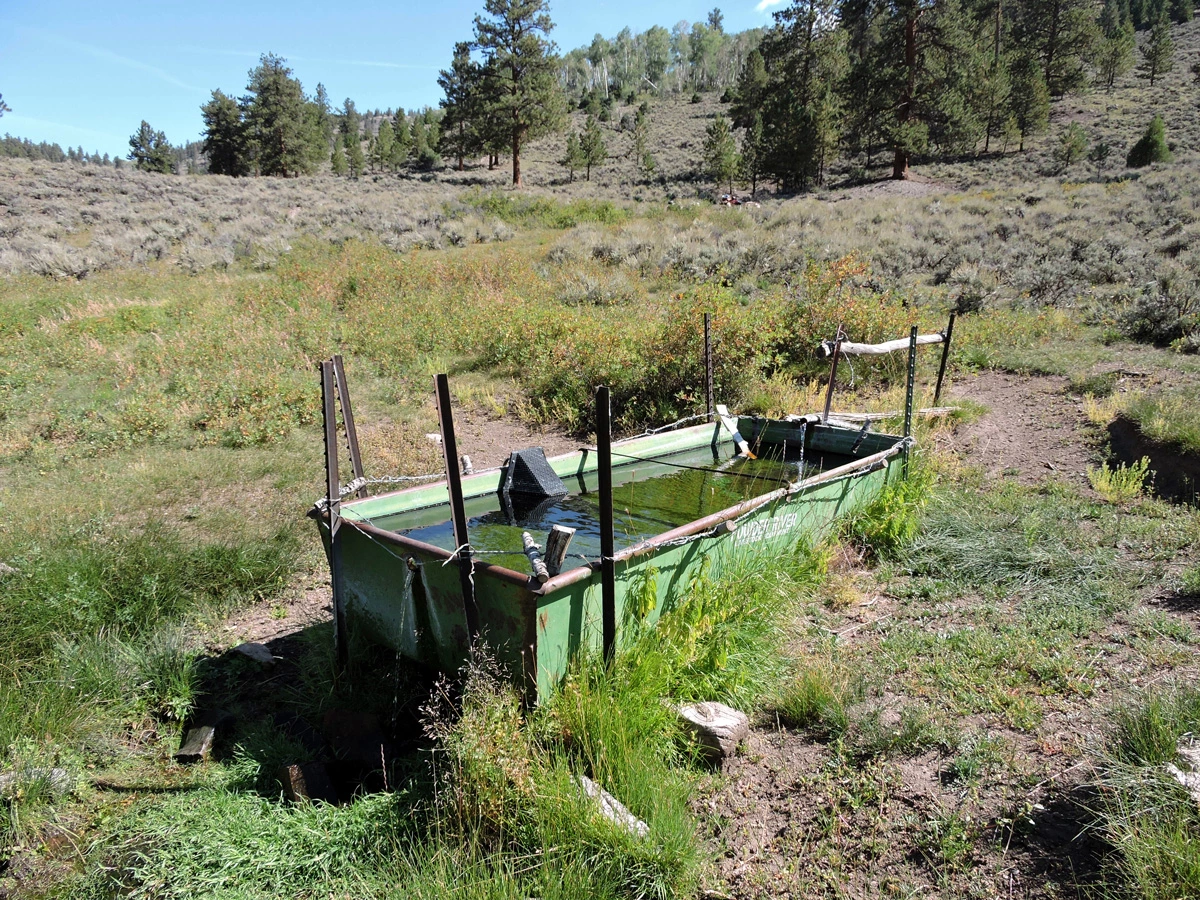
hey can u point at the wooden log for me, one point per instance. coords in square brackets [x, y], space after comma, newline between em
[612, 808]
[886, 347]
[929, 411]
[557, 543]
[533, 551]
[197, 745]
[717, 728]
[303, 782]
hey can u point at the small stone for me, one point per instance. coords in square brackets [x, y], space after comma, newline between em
[201, 733]
[612, 808]
[6, 569]
[307, 781]
[717, 728]
[257, 652]
[435, 437]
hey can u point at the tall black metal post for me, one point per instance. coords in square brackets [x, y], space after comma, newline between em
[608, 574]
[708, 367]
[946, 336]
[912, 378]
[333, 500]
[458, 514]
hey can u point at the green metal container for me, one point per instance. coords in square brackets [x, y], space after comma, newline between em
[406, 594]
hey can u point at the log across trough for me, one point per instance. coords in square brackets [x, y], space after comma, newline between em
[685, 506]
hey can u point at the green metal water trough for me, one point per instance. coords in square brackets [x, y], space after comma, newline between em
[684, 503]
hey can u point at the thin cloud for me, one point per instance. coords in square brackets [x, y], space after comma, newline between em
[764, 5]
[372, 64]
[367, 63]
[22, 123]
[109, 56]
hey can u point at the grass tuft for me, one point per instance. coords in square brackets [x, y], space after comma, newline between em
[1145, 815]
[1122, 484]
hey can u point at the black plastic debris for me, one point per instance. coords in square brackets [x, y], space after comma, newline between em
[529, 474]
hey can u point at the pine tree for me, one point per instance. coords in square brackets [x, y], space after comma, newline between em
[354, 154]
[349, 121]
[1151, 148]
[523, 70]
[385, 144]
[337, 159]
[752, 154]
[1117, 42]
[1072, 146]
[749, 95]
[225, 140]
[591, 146]
[148, 149]
[720, 152]
[643, 159]
[1181, 10]
[279, 120]
[573, 157]
[462, 85]
[4, 107]
[1062, 34]
[324, 119]
[1158, 53]
[1030, 98]
[402, 140]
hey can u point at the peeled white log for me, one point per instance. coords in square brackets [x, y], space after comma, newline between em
[612, 808]
[533, 551]
[852, 349]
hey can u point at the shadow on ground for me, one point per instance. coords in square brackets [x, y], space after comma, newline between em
[289, 728]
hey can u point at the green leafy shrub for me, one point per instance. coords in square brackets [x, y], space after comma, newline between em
[891, 520]
[1165, 310]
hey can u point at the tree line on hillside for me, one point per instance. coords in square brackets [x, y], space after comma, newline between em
[690, 57]
[902, 78]
[276, 129]
[866, 81]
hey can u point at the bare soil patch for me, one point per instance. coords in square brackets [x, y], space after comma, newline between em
[1032, 430]
[916, 186]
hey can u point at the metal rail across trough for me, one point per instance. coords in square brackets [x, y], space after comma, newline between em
[430, 569]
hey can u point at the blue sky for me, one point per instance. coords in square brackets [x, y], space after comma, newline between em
[82, 72]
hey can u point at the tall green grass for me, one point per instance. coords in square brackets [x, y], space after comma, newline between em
[1145, 815]
[491, 806]
[89, 625]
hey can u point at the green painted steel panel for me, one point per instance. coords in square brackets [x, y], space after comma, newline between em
[416, 608]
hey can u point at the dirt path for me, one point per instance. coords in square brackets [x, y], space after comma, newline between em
[1033, 429]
